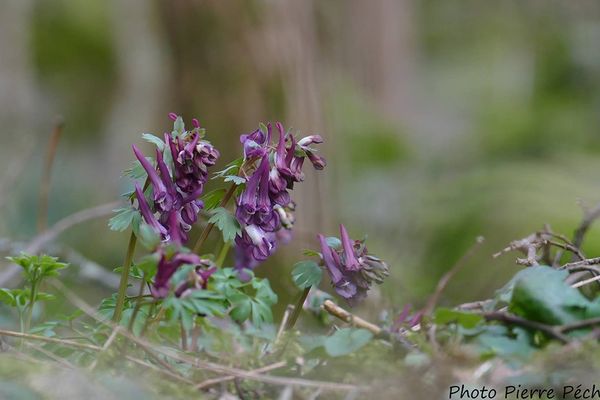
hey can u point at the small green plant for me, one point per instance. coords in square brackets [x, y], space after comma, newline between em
[35, 270]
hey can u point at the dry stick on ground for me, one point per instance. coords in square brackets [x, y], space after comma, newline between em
[443, 282]
[210, 382]
[589, 216]
[178, 356]
[586, 262]
[71, 343]
[51, 355]
[586, 281]
[63, 342]
[42, 221]
[350, 318]
[106, 345]
[44, 238]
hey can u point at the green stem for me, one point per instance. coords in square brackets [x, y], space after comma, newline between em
[29, 315]
[223, 254]
[297, 309]
[149, 319]
[138, 304]
[184, 339]
[204, 235]
[124, 278]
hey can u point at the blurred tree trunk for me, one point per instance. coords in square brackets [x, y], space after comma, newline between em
[290, 39]
[18, 92]
[382, 52]
[19, 107]
[143, 70]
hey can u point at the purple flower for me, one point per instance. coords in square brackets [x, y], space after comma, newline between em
[351, 269]
[167, 265]
[198, 279]
[176, 185]
[264, 208]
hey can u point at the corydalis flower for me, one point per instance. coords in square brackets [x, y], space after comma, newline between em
[177, 183]
[168, 263]
[265, 207]
[198, 278]
[351, 269]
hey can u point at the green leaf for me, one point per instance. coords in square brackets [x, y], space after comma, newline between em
[148, 237]
[147, 267]
[238, 180]
[179, 126]
[334, 242]
[263, 128]
[213, 198]
[231, 169]
[541, 294]
[311, 253]
[7, 297]
[155, 140]
[226, 222]
[444, 316]
[241, 311]
[499, 341]
[346, 341]
[123, 219]
[264, 292]
[36, 268]
[40, 296]
[261, 313]
[311, 342]
[136, 171]
[306, 274]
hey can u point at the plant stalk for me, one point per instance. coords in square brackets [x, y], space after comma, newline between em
[297, 309]
[204, 235]
[223, 254]
[124, 278]
[138, 304]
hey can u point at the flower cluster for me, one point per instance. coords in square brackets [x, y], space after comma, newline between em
[176, 187]
[265, 208]
[351, 269]
[176, 183]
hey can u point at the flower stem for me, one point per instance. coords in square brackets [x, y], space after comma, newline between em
[208, 228]
[223, 254]
[124, 278]
[138, 304]
[32, 299]
[297, 309]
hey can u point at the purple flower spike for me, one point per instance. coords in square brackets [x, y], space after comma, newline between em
[167, 267]
[176, 187]
[351, 262]
[351, 269]
[317, 161]
[330, 263]
[264, 209]
[158, 187]
[147, 213]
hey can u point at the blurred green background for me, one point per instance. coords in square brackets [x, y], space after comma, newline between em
[443, 120]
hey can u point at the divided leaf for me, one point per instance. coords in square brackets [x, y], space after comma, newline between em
[226, 222]
[125, 217]
[306, 274]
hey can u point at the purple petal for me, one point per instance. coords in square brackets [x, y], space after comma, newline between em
[351, 261]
